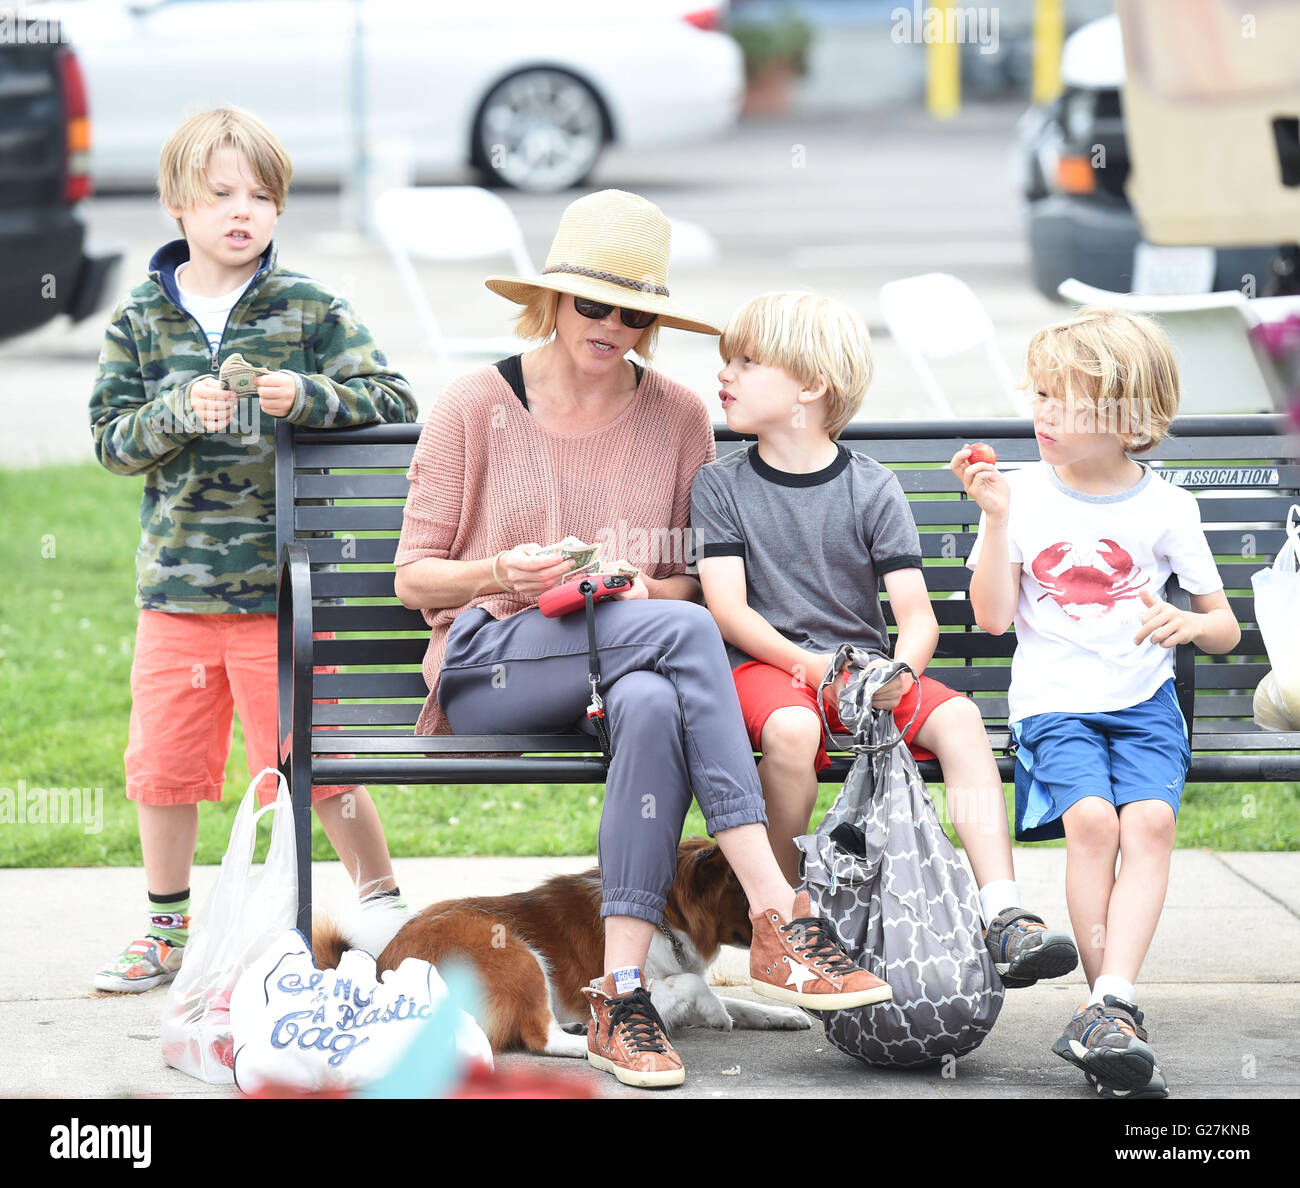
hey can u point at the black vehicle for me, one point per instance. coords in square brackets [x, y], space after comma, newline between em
[47, 267]
[1074, 167]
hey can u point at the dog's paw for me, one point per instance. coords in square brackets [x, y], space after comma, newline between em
[714, 1016]
[578, 1028]
[560, 1041]
[757, 1016]
[782, 1019]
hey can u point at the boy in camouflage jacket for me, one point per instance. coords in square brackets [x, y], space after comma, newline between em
[206, 565]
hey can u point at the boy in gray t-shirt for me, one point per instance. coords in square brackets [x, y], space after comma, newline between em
[792, 537]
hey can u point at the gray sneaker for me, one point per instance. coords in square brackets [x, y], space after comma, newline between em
[1024, 950]
[1107, 1040]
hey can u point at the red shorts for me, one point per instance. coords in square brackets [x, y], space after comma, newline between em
[189, 675]
[763, 688]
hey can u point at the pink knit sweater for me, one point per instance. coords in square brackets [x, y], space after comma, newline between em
[486, 477]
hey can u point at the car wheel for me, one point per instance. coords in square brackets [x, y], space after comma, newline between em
[539, 130]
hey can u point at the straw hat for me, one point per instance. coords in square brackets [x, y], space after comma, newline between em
[611, 246]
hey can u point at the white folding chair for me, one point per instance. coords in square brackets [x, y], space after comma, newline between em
[449, 223]
[1221, 369]
[936, 316]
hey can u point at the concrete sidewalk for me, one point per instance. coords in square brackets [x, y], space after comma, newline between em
[1221, 991]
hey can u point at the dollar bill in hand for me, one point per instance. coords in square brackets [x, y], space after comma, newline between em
[239, 375]
[583, 556]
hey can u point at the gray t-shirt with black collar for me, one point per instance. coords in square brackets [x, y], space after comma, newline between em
[815, 545]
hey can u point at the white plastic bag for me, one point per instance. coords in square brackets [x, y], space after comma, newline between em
[1270, 707]
[1277, 611]
[247, 911]
[315, 1029]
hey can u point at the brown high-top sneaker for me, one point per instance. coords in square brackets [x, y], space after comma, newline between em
[800, 961]
[626, 1035]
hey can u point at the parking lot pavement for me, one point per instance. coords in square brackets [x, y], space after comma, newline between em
[834, 205]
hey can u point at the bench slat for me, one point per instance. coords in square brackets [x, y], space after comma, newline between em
[888, 441]
[1229, 676]
[346, 456]
[351, 486]
[371, 651]
[932, 517]
[348, 518]
[371, 684]
[403, 742]
[352, 583]
[324, 550]
[367, 617]
[402, 713]
[394, 485]
[407, 769]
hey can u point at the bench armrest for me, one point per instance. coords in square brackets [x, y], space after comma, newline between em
[295, 674]
[1184, 657]
[294, 646]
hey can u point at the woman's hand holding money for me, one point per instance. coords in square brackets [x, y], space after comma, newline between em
[638, 588]
[521, 571]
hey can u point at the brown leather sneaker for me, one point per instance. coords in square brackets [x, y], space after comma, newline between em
[801, 962]
[627, 1037]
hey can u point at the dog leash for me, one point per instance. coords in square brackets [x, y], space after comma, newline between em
[678, 951]
[596, 708]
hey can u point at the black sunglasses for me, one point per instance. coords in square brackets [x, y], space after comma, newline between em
[635, 319]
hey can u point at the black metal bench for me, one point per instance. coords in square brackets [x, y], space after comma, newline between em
[339, 497]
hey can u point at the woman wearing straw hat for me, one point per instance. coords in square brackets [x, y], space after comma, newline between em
[573, 439]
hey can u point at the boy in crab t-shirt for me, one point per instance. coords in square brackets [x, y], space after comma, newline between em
[1076, 551]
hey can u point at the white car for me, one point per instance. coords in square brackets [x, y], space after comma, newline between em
[528, 92]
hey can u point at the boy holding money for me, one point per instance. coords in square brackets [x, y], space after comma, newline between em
[792, 536]
[176, 400]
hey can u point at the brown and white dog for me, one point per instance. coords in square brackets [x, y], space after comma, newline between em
[535, 950]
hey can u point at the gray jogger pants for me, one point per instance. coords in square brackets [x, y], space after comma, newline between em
[673, 715]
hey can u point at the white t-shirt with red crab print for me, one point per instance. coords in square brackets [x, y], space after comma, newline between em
[1084, 562]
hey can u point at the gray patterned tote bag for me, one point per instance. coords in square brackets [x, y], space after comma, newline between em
[882, 871]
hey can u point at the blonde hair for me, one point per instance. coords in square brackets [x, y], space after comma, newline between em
[810, 338]
[1119, 364]
[182, 168]
[536, 321]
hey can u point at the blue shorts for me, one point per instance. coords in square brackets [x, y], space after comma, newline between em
[1138, 753]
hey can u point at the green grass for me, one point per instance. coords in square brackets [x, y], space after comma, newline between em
[67, 627]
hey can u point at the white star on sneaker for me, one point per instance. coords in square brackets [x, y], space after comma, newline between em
[799, 974]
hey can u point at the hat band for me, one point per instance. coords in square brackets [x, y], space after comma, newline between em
[612, 277]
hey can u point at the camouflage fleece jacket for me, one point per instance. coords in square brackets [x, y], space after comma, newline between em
[207, 519]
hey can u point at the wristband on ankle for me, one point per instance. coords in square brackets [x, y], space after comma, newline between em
[497, 577]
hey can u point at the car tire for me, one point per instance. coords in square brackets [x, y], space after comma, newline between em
[540, 130]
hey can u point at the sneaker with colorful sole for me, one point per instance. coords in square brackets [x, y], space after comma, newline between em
[141, 966]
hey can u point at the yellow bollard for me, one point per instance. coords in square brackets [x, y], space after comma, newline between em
[943, 66]
[1049, 37]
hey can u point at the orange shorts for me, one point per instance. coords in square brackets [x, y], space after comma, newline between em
[189, 674]
[763, 688]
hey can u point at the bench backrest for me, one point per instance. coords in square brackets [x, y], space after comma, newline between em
[341, 493]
